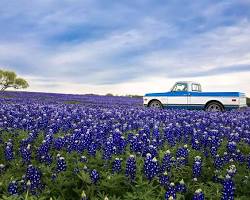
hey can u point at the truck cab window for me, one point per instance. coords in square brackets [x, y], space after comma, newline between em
[180, 87]
[196, 88]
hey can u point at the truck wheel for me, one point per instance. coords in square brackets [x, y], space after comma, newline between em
[155, 104]
[214, 107]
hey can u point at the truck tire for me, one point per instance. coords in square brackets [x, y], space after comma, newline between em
[155, 104]
[214, 107]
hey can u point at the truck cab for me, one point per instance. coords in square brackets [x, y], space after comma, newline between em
[189, 95]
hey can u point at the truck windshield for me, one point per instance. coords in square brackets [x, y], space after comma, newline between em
[180, 87]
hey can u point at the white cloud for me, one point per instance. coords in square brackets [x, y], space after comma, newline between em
[136, 55]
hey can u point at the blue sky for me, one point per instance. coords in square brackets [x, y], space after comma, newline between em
[130, 46]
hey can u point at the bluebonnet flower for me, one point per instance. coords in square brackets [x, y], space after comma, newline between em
[171, 193]
[8, 151]
[213, 151]
[196, 144]
[166, 162]
[169, 136]
[218, 162]
[42, 153]
[59, 143]
[61, 164]
[136, 145]
[182, 155]
[92, 149]
[197, 167]
[151, 167]
[199, 195]
[226, 157]
[94, 175]
[13, 188]
[228, 189]
[131, 167]
[116, 167]
[182, 151]
[151, 150]
[33, 177]
[108, 151]
[181, 187]
[231, 147]
[240, 157]
[26, 153]
[164, 179]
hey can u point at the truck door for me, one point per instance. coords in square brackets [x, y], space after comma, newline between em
[195, 100]
[178, 97]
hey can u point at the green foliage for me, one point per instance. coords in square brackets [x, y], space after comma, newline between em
[72, 102]
[69, 185]
[9, 79]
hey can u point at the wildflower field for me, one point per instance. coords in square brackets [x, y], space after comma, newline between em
[78, 147]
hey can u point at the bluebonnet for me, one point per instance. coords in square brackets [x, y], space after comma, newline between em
[213, 151]
[108, 150]
[197, 166]
[94, 175]
[61, 164]
[169, 136]
[181, 187]
[151, 167]
[171, 193]
[164, 179]
[231, 147]
[196, 144]
[13, 188]
[166, 161]
[33, 179]
[26, 153]
[199, 195]
[218, 162]
[131, 167]
[182, 155]
[116, 166]
[228, 188]
[182, 152]
[92, 149]
[8, 151]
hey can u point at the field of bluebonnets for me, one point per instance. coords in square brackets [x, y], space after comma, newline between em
[65, 147]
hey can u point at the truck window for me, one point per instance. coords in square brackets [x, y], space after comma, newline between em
[180, 87]
[196, 87]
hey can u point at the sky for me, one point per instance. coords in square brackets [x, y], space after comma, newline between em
[127, 46]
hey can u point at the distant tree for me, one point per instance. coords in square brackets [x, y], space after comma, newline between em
[109, 94]
[248, 101]
[9, 79]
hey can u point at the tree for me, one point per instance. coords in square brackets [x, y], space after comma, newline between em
[9, 79]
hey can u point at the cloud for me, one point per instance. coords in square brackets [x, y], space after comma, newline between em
[100, 44]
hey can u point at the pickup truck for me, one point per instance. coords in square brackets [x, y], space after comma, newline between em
[188, 95]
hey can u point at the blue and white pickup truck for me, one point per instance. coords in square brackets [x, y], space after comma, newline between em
[188, 95]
